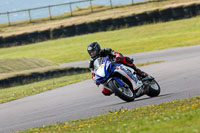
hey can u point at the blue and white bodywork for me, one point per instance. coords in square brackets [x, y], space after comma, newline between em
[103, 68]
[120, 79]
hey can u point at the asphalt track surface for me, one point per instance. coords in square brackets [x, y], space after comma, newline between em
[178, 76]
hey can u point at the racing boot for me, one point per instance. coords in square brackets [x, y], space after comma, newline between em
[141, 73]
[106, 92]
[129, 62]
[138, 71]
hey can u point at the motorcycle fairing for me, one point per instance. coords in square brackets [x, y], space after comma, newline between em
[104, 68]
[129, 74]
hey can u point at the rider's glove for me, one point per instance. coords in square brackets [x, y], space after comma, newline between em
[97, 83]
[118, 57]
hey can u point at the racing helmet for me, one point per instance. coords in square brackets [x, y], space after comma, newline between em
[94, 49]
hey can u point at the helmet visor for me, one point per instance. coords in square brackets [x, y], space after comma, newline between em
[92, 53]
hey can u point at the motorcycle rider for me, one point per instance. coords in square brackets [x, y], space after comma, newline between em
[95, 51]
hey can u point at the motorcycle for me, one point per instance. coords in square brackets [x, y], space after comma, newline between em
[123, 81]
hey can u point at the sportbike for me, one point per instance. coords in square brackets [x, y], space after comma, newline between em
[123, 81]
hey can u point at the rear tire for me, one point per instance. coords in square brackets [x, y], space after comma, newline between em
[154, 89]
[126, 94]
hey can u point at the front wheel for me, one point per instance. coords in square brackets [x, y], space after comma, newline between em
[125, 93]
[153, 89]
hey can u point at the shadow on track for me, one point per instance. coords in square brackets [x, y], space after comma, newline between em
[164, 95]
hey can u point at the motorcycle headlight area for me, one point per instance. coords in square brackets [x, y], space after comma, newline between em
[100, 71]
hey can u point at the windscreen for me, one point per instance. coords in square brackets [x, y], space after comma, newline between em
[98, 62]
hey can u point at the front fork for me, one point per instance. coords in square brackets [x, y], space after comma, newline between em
[122, 84]
[105, 85]
[116, 79]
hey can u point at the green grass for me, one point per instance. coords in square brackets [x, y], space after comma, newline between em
[181, 116]
[14, 93]
[25, 66]
[130, 40]
[22, 64]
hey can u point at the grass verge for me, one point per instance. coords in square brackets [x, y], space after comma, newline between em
[149, 63]
[22, 64]
[176, 116]
[131, 40]
[25, 77]
[22, 71]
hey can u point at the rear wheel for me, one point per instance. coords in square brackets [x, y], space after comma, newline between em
[154, 89]
[126, 93]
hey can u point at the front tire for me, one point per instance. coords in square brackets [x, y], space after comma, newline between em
[153, 89]
[125, 93]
